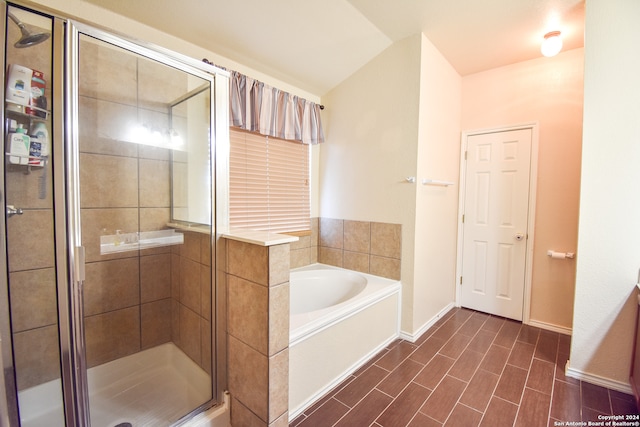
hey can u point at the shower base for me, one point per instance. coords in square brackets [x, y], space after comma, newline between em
[152, 387]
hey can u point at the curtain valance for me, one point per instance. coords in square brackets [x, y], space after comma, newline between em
[257, 107]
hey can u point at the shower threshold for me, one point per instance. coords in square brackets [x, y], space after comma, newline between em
[153, 387]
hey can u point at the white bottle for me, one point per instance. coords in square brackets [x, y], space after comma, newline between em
[18, 87]
[19, 144]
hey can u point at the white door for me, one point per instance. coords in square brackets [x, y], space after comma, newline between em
[496, 206]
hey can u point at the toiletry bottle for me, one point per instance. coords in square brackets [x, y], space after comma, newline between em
[18, 87]
[38, 102]
[39, 147]
[19, 143]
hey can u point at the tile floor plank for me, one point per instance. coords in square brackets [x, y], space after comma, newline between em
[398, 379]
[534, 409]
[366, 411]
[441, 402]
[434, 371]
[402, 410]
[359, 387]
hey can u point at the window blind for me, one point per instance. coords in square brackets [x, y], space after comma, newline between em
[268, 183]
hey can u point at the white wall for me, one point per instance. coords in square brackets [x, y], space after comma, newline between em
[609, 229]
[399, 116]
[548, 91]
[371, 146]
[436, 207]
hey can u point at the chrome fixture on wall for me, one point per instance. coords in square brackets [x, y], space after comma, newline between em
[28, 38]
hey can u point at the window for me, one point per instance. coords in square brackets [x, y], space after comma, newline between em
[268, 183]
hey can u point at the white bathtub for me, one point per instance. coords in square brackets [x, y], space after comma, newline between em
[339, 320]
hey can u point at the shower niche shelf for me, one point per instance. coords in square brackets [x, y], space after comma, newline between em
[13, 108]
[16, 113]
[31, 161]
[124, 242]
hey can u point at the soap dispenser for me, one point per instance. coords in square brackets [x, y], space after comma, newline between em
[19, 144]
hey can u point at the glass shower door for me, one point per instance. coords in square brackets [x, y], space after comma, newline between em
[31, 339]
[141, 159]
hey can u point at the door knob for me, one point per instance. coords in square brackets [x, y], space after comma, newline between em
[519, 236]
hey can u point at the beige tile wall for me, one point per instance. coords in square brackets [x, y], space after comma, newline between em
[190, 290]
[369, 247]
[140, 299]
[257, 279]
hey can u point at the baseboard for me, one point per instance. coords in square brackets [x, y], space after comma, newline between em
[598, 380]
[550, 327]
[413, 337]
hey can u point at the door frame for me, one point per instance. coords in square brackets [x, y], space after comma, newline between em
[531, 213]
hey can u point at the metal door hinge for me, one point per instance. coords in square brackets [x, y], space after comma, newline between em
[461, 280]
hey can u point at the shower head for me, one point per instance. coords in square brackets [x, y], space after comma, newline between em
[28, 38]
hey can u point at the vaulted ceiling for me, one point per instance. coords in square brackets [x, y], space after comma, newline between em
[317, 44]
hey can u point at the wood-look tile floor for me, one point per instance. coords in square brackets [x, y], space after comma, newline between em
[469, 369]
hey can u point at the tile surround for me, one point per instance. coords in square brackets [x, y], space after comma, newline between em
[257, 283]
[32, 293]
[368, 247]
[38, 358]
[190, 282]
[155, 318]
[111, 335]
[165, 285]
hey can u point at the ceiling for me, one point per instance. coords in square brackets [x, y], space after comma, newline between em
[315, 45]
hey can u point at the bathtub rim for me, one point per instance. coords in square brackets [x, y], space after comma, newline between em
[305, 325]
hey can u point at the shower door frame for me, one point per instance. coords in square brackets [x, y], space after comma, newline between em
[69, 253]
[8, 394]
[218, 79]
[9, 404]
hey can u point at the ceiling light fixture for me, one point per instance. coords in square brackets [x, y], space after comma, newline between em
[552, 44]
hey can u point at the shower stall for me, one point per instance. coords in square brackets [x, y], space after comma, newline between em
[108, 291]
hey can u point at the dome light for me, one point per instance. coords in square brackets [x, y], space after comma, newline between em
[552, 44]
